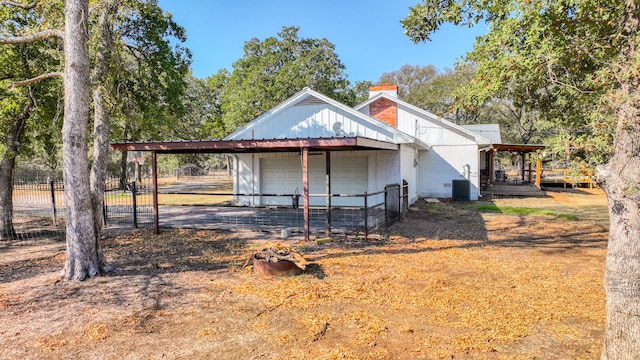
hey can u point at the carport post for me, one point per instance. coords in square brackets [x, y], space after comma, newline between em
[154, 169]
[492, 158]
[328, 190]
[305, 190]
[522, 156]
[538, 172]
[530, 167]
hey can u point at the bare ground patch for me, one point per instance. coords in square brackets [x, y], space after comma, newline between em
[448, 281]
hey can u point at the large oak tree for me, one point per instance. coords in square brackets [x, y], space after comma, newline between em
[134, 65]
[274, 69]
[574, 60]
[27, 108]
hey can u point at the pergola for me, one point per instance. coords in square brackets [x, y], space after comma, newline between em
[520, 149]
[303, 146]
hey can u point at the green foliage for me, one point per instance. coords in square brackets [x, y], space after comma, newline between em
[361, 90]
[548, 61]
[146, 81]
[40, 135]
[428, 88]
[274, 69]
[148, 73]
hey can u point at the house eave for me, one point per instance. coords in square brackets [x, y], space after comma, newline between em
[256, 146]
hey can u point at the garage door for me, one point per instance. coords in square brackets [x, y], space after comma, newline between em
[279, 176]
[284, 176]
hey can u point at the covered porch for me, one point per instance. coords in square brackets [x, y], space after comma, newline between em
[526, 173]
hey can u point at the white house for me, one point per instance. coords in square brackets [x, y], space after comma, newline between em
[396, 142]
[454, 152]
[311, 115]
[335, 156]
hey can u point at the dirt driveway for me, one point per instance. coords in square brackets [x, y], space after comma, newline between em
[449, 281]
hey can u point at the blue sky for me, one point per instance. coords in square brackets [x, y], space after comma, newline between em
[368, 36]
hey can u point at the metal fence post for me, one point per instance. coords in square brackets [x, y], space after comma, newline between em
[400, 197]
[386, 210]
[134, 195]
[52, 187]
[366, 216]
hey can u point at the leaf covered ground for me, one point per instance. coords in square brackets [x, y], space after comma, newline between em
[458, 281]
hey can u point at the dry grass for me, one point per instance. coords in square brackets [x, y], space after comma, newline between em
[446, 282]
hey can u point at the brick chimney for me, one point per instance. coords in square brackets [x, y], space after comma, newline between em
[383, 109]
[388, 89]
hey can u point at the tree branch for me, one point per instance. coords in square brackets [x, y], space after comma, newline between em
[36, 79]
[19, 5]
[42, 35]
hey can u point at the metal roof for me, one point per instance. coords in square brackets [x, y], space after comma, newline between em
[489, 131]
[520, 148]
[255, 146]
[308, 96]
[429, 116]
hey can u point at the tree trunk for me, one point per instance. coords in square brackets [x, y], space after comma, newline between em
[82, 256]
[7, 231]
[123, 169]
[622, 276]
[7, 165]
[620, 179]
[101, 121]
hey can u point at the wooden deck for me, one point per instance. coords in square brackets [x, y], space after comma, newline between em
[504, 189]
[555, 177]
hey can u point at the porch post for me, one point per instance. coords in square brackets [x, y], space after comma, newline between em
[305, 190]
[530, 168]
[154, 169]
[491, 165]
[328, 190]
[538, 172]
[522, 156]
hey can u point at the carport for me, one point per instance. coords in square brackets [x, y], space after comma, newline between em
[301, 146]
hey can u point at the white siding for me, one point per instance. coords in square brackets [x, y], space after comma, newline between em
[281, 173]
[315, 121]
[442, 164]
[384, 169]
[453, 154]
[431, 131]
[352, 172]
[244, 179]
[284, 176]
[409, 171]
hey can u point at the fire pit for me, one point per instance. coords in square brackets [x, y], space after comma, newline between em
[278, 260]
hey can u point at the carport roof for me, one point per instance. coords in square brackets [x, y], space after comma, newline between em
[255, 146]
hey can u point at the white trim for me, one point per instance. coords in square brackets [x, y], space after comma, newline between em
[480, 140]
[399, 136]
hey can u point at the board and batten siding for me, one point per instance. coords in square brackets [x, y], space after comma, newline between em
[352, 172]
[284, 176]
[315, 121]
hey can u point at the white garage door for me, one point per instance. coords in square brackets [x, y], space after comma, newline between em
[284, 176]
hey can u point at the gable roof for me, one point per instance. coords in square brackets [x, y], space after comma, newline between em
[308, 96]
[429, 116]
